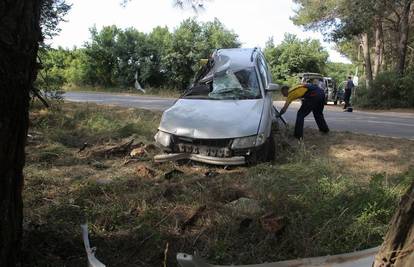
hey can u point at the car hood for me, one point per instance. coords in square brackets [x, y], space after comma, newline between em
[213, 119]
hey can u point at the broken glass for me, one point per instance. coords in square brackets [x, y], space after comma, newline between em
[240, 84]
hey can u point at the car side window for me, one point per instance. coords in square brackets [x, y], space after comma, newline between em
[263, 71]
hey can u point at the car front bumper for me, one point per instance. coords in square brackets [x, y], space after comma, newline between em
[237, 160]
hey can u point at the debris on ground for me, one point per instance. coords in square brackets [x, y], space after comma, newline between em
[90, 252]
[116, 150]
[138, 152]
[144, 171]
[142, 150]
[84, 146]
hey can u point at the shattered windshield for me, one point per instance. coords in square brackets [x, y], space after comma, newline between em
[240, 84]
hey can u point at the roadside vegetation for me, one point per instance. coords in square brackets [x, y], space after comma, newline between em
[328, 195]
[377, 36]
[152, 91]
[166, 61]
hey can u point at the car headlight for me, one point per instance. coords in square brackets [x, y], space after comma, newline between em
[163, 138]
[247, 142]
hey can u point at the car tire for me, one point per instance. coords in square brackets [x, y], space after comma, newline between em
[267, 152]
[270, 153]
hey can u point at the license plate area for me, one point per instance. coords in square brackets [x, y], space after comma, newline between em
[221, 152]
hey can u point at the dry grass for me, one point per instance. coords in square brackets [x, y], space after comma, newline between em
[363, 155]
[336, 192]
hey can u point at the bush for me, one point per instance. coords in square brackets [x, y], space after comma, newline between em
[388, 91]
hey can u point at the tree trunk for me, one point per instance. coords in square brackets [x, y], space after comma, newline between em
[19, 37]
[379, 46]
[398, 247]
[367, 59]
[403, 36]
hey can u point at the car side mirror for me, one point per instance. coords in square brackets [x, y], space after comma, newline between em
[272, 87]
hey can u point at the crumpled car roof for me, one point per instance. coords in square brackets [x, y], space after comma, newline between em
[233, 59]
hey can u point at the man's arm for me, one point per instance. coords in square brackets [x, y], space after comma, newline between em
[285, 107]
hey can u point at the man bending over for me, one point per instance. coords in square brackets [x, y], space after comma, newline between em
[313, 99]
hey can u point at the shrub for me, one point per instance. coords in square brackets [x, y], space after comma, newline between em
[388, 91]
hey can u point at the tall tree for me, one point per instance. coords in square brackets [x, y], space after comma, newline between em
[294, 56]
[380, 24]
[20, 34]
[102, 56]
[397, 249]
[404, 19]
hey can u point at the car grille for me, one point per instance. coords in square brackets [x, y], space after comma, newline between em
[207, 147]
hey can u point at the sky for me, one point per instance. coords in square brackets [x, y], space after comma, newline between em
[255, 21]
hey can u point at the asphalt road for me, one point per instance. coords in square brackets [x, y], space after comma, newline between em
[391, 124]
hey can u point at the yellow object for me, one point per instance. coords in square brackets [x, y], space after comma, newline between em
[296, 92]
[203, 61]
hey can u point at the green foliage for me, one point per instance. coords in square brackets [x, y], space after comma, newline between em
[337, 19]
[315, 14]
[100, 53]
[388, 91]
[160, 58]
[193, 41]
[339, 71]
[294, 56]
[52, 12]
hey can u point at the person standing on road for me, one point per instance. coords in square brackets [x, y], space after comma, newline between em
[348, 91]
[313, 99]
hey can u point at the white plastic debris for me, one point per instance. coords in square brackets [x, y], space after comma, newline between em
[363, 258]
[90, 252]
[137, 84]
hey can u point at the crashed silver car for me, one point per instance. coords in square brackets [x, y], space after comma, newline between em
[227, 115]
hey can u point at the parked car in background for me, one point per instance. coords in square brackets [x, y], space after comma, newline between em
[331, 91]
[227, 116]
[326, 83]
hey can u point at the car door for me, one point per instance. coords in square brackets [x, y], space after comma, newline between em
[269, 112]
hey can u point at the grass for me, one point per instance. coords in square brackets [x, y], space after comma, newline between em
[160, 92]
[336, 193]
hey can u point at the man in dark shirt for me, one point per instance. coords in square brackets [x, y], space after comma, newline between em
[348, 91]
[313, 100]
